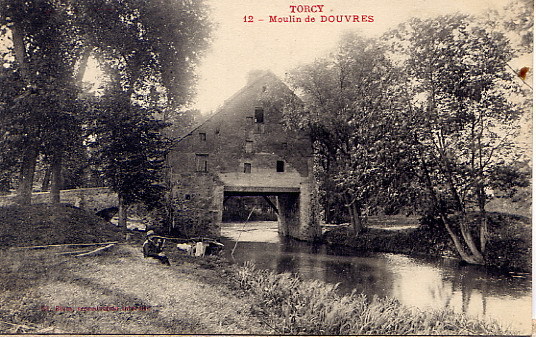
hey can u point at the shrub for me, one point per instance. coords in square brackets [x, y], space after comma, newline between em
[290, 305]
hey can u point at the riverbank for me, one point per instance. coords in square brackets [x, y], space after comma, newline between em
[509, 248]
[117, 291]
[50, 290]
[120, 292]
[293, 306]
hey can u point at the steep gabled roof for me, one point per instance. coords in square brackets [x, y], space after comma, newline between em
[250, 84]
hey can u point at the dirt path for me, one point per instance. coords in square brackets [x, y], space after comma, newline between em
[183, 298]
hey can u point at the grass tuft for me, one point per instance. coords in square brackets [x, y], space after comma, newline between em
[290, 305]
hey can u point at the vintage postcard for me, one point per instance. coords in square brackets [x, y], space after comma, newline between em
[217, 167]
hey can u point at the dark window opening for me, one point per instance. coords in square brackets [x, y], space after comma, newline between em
[247, 168]
[187, 197]
[280, 166]
[259, 115]
[201, 162]
[202, 136]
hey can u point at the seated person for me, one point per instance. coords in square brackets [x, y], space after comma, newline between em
[152, 247]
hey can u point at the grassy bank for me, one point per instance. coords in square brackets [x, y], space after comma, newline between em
[53, 224]
[192, 296]
[43, 292]
[292, 306]
[509, 246]
[195, 296]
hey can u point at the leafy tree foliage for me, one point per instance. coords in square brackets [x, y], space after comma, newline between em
[352, 113]
[130, 150]
[428, 119]
[458, 87]
[43, 113]
[149, 50]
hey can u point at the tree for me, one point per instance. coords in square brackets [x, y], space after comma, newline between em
[149, 50]
[351, 112]
[148, 46]
[457, 88]
[131, 151]
[43, 116]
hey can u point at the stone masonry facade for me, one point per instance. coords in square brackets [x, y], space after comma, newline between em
[243, 149]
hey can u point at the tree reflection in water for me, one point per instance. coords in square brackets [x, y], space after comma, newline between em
[425, 283]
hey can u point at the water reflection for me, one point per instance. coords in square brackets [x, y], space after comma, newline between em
[424, 283]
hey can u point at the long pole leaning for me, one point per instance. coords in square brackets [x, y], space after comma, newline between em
[240, 234]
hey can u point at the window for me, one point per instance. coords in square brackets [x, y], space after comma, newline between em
[201, 162]
[280, 166]
[249, 146]
[259, 115]
[202, 136]
[247, 167]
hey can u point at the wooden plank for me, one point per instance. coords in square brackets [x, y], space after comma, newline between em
[97, 250]
[74, 252]
[69, 244]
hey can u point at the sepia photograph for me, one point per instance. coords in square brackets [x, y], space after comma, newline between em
[266, 168]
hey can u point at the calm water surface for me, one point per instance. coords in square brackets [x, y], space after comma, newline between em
[424, 283]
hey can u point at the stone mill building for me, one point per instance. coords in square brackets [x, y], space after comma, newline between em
[244, 149]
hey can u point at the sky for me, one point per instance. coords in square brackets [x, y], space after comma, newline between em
[239, 47]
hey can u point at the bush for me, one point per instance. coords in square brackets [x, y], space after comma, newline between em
[290, 305]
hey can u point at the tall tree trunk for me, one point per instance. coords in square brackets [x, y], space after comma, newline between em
[29, 157]
[56, 168]
[19, 49]
[84, 57]
[469, 258]
[469, 241]
[122, 215]
[29, 160]
[45, 185]
[463, 221]
[458, 244]
[483, 220]
[355, 216]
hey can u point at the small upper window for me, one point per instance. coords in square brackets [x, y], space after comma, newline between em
[249, 146]
[202, 136]
[280, 166]
[201, 162]
[247, 167]
[259, 115]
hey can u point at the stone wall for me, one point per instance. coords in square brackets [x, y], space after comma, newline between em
[196, 204]
[90, 199]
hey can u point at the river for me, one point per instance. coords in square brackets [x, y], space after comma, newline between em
[424, 283]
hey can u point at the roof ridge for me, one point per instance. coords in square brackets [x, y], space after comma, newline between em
[220, 109]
